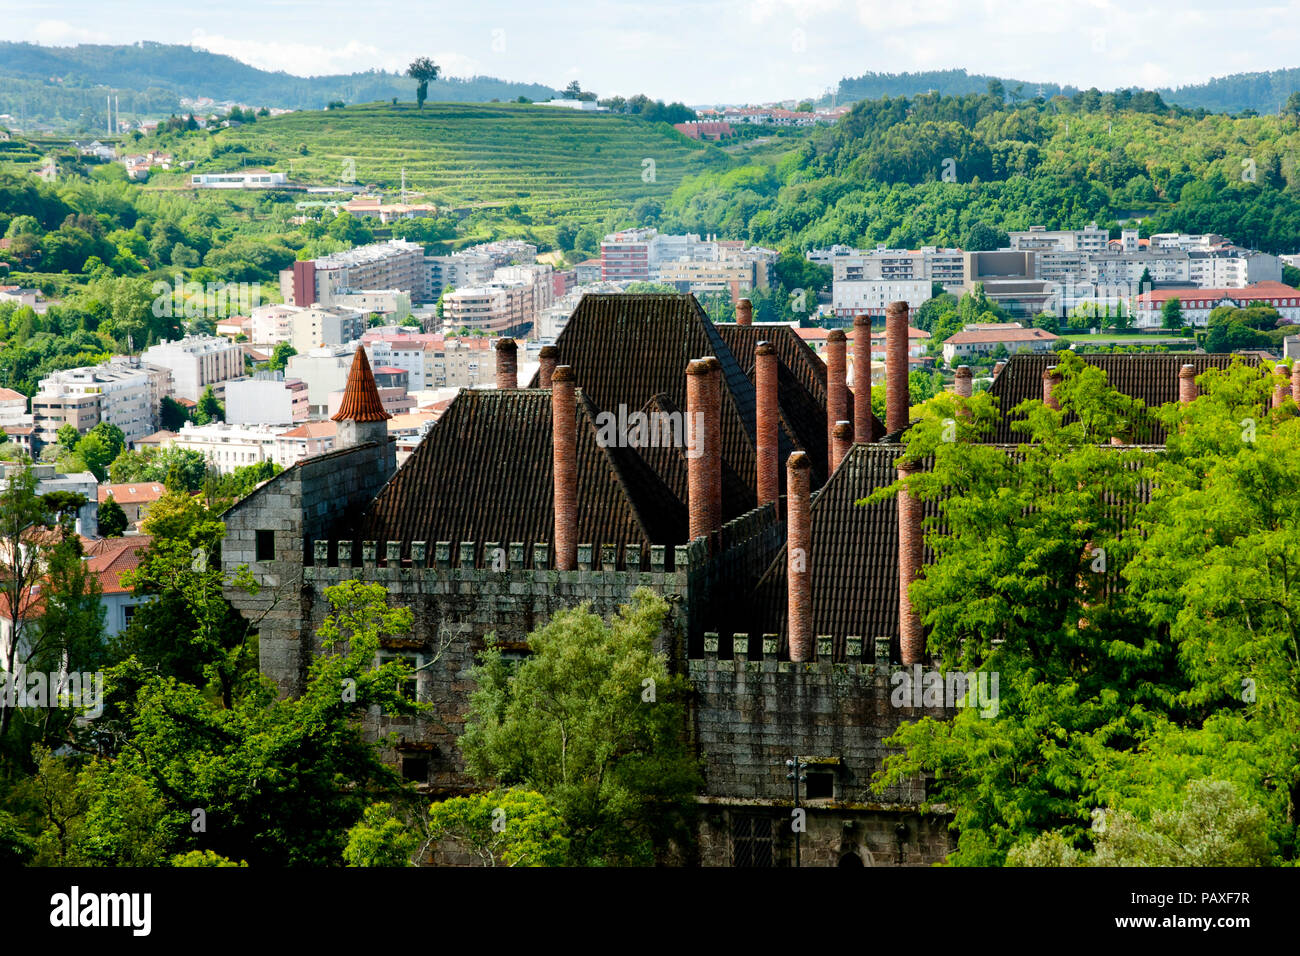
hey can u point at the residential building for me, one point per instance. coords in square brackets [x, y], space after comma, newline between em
[324, 370]
[122, 393]
[109, 559]
[317, 326]
[984, 341]
[588, 270]
[393, 304]
[626, 256]
[13, 408]
[227, 447]
[197, 361]
[1197, 304]
[243, 179]
[1038, 238]
[267, 398]
[50, 480]
[393, 265]
[871, 296]
[271, 324]
[135, 498]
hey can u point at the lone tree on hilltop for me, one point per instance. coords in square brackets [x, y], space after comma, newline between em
[422, 70]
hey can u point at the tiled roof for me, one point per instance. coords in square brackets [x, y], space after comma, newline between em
[110, 558]
[1152, 378]
[853, 559]
[9, 395]
[627, 349]
[361, 402]
[1000, 335]
[485, 473]
[801, 388]
[132, 492]
[313, 430]
[1260, 290]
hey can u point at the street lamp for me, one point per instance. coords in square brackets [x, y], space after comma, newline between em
[795, 775]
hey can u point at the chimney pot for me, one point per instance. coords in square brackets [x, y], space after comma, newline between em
[964, 382]
[896, 396]
[842, 442]
[837, 391]
[861, 379]
[744, 312]
[767, 420]
[798, 554]
[549, 357]
[1282, 387]
[564, 431]
[1051, 379]
[507, 363]
[1187, 384]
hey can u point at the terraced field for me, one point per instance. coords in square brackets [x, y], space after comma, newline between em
[550, 162]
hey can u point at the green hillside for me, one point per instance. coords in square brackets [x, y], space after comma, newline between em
[548, 161]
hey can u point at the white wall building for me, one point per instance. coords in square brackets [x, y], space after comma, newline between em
[197, 361]
[871, 296]
[324, 370]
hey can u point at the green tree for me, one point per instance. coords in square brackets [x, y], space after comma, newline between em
[594, 721]
[112, 519]
[1171, 314]
[172, 415]
[422, 70]
[208, 408]
[280, 356]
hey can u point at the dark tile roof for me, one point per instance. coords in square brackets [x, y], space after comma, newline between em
[854, 559]
[628, 349]
[1152, 378]
[801, 387]
[485, 473]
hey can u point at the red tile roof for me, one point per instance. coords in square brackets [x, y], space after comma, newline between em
[1260, 290]
[110, 558]
[133, 492]
[1000, 335]
[361, 401]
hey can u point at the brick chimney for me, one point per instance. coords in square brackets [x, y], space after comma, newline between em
[703, 452]
[564, 436]
[842, 441]
[768, 416]
[964, 384]
[837, 391]
[549, 357]
[861, 379]
[1282, 386]
[798, 553]
[911, 636]
[896, 396]
[1187, 384]
[507, 363]
[997, 369]
[1051, 379]
[744, 312]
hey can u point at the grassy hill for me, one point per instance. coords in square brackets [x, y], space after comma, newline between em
[548, 161]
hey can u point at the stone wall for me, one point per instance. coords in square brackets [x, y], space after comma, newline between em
[296, 506]
[752, 715]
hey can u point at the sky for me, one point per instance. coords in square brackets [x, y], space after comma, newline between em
[704, 51]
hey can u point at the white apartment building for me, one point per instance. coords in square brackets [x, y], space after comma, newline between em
[395, 264]
[1035, 238]
[870, 296]
[267, 398]
[244, 179]
[393, 303]
[13, 408]
[324, 370]
[197, 361]
[227, 447]
[317, 326]
[271, 324]
[1232, 268]
[83, 397]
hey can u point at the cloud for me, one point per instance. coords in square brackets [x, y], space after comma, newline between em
[62, 33]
